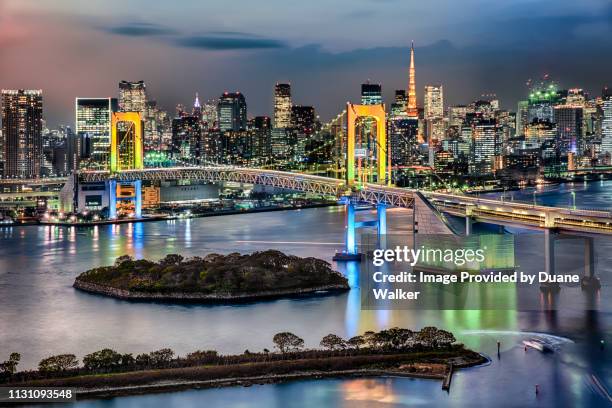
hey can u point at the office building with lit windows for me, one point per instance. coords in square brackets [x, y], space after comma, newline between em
[282, 106]
[22, 116]
[371, 94]
[606, 126]
[232, 112]
[434, 102]
[569, 128]
[93, 129]
[132, 96]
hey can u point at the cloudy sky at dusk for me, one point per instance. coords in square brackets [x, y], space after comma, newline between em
[325, 48]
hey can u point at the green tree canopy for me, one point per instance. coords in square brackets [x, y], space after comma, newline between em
[287, 341]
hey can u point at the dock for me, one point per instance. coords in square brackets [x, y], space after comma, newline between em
[447, 379]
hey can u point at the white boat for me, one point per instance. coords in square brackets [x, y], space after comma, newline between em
[539, 344]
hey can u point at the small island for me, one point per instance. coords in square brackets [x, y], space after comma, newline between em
[214, 278]
[430, 353]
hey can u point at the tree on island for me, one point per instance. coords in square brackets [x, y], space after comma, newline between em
[10, 366]
[202, 356]
[162, 357]
[356, 342]
[105, 359]
[61, 362]
[123, 258]
[172, 259]
[286, 341]
[333, 342]
[433, 337]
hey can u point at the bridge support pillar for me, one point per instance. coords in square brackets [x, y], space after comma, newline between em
[549, 261]
[589, 280]
[111, 185]
[350, 238]
[468, 225]
[138, 198]
[351, 244]
[381, 215]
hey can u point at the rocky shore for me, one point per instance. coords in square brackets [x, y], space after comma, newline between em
[433, 366]
[187, 297]
[214, 278]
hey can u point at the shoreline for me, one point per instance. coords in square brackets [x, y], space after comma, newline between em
[433, 366]
[168, 217]
[178, 386]
[185, 297]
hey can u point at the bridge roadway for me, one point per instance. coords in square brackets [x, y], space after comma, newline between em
[477, 209]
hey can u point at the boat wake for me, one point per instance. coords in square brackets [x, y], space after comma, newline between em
[550, 338]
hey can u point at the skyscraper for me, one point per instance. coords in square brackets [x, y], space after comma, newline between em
[93, 128]
[187, 138]
[232, 112]
[486, 144]
[398, 107]
[282, 106]
[371, 94]
[569, 128]
[434, 102]
[434, 113]
[303, 119]
[522, 117]
[197, 107]
[132, 96]
[606, 127]
[22, 115]
[262, 144]
[412, 110]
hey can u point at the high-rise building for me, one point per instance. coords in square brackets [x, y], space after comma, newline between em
[210, 114]
[282, 106]
[398, 107]
[522, 117]
[539, 132]
[486, 144]
[542, 99]
[73, 151]
[132, 96]
[606, 125]
[303, 119]
[187, 138]
[434, 113]
[412, 110]
[303, 126]
[403, 141]
[22, 116]
[457, 115]
[197, 107]
[371, 94]
[262, 144]
[232, 112]
[569, 128]
[434, 102]
[93, 128]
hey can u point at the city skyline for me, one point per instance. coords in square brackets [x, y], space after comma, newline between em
[251, 56]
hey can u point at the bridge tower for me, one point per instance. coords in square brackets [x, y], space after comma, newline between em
[376, 112]
[126, 154]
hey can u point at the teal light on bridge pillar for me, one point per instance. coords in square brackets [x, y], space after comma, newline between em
[351, 244]
[381, 214]
[138, 198]
[112, 198]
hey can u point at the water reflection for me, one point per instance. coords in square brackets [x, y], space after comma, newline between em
[41, 314]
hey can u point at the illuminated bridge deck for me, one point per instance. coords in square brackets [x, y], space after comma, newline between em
[483, 210]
